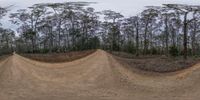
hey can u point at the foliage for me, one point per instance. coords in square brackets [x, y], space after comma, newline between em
[74, 26]
[173, 51]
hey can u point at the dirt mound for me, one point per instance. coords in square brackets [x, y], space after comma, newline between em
[95, 77]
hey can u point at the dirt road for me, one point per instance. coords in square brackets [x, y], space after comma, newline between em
[96, 77]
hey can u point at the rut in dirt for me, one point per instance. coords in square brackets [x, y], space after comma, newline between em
[98, 76]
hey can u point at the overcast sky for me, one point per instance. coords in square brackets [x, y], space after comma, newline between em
[126, 7]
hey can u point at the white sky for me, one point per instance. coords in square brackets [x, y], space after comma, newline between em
[126, 7]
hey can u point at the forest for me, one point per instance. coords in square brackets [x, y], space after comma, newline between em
[170, 29]
[72, 51]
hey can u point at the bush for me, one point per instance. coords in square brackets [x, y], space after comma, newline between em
[5, 51]
[173, 51]
[154, 51]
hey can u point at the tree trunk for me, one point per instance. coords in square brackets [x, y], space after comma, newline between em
[193, 43]
[185, 36]
[137, 39]
[145, 39]
[59, 34]
[167, 36]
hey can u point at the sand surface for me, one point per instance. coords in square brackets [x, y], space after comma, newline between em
[96, 77]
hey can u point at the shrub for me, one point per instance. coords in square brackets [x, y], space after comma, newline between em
[154, 51]
[173, 51]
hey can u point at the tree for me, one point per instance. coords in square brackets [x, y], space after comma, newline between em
[194, 26]
[5, 34]
[6, 40]
[148, 16]
[29, 19]
[184, 10]
[61, 27]
[3, 11]
[114, 30]
[131, 28]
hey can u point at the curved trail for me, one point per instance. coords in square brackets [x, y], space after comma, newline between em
[96, 77]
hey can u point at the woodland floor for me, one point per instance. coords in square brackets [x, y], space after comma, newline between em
[98, 76]
[59, 57]
[160, 64]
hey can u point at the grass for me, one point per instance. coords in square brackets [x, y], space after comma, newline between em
[160, 64]
[59, 57]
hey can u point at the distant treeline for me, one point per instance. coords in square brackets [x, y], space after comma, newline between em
[170, 29]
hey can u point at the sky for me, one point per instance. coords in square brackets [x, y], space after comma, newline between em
[126, 7]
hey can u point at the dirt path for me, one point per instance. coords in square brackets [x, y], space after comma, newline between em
[96, 77]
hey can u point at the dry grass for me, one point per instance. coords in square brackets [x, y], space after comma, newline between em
[4, 57]
[59, 57]
[160, 64]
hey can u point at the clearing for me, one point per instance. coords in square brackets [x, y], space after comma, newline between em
[98, 76]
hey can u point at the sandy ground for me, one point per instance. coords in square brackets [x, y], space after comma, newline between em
[96, 77]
